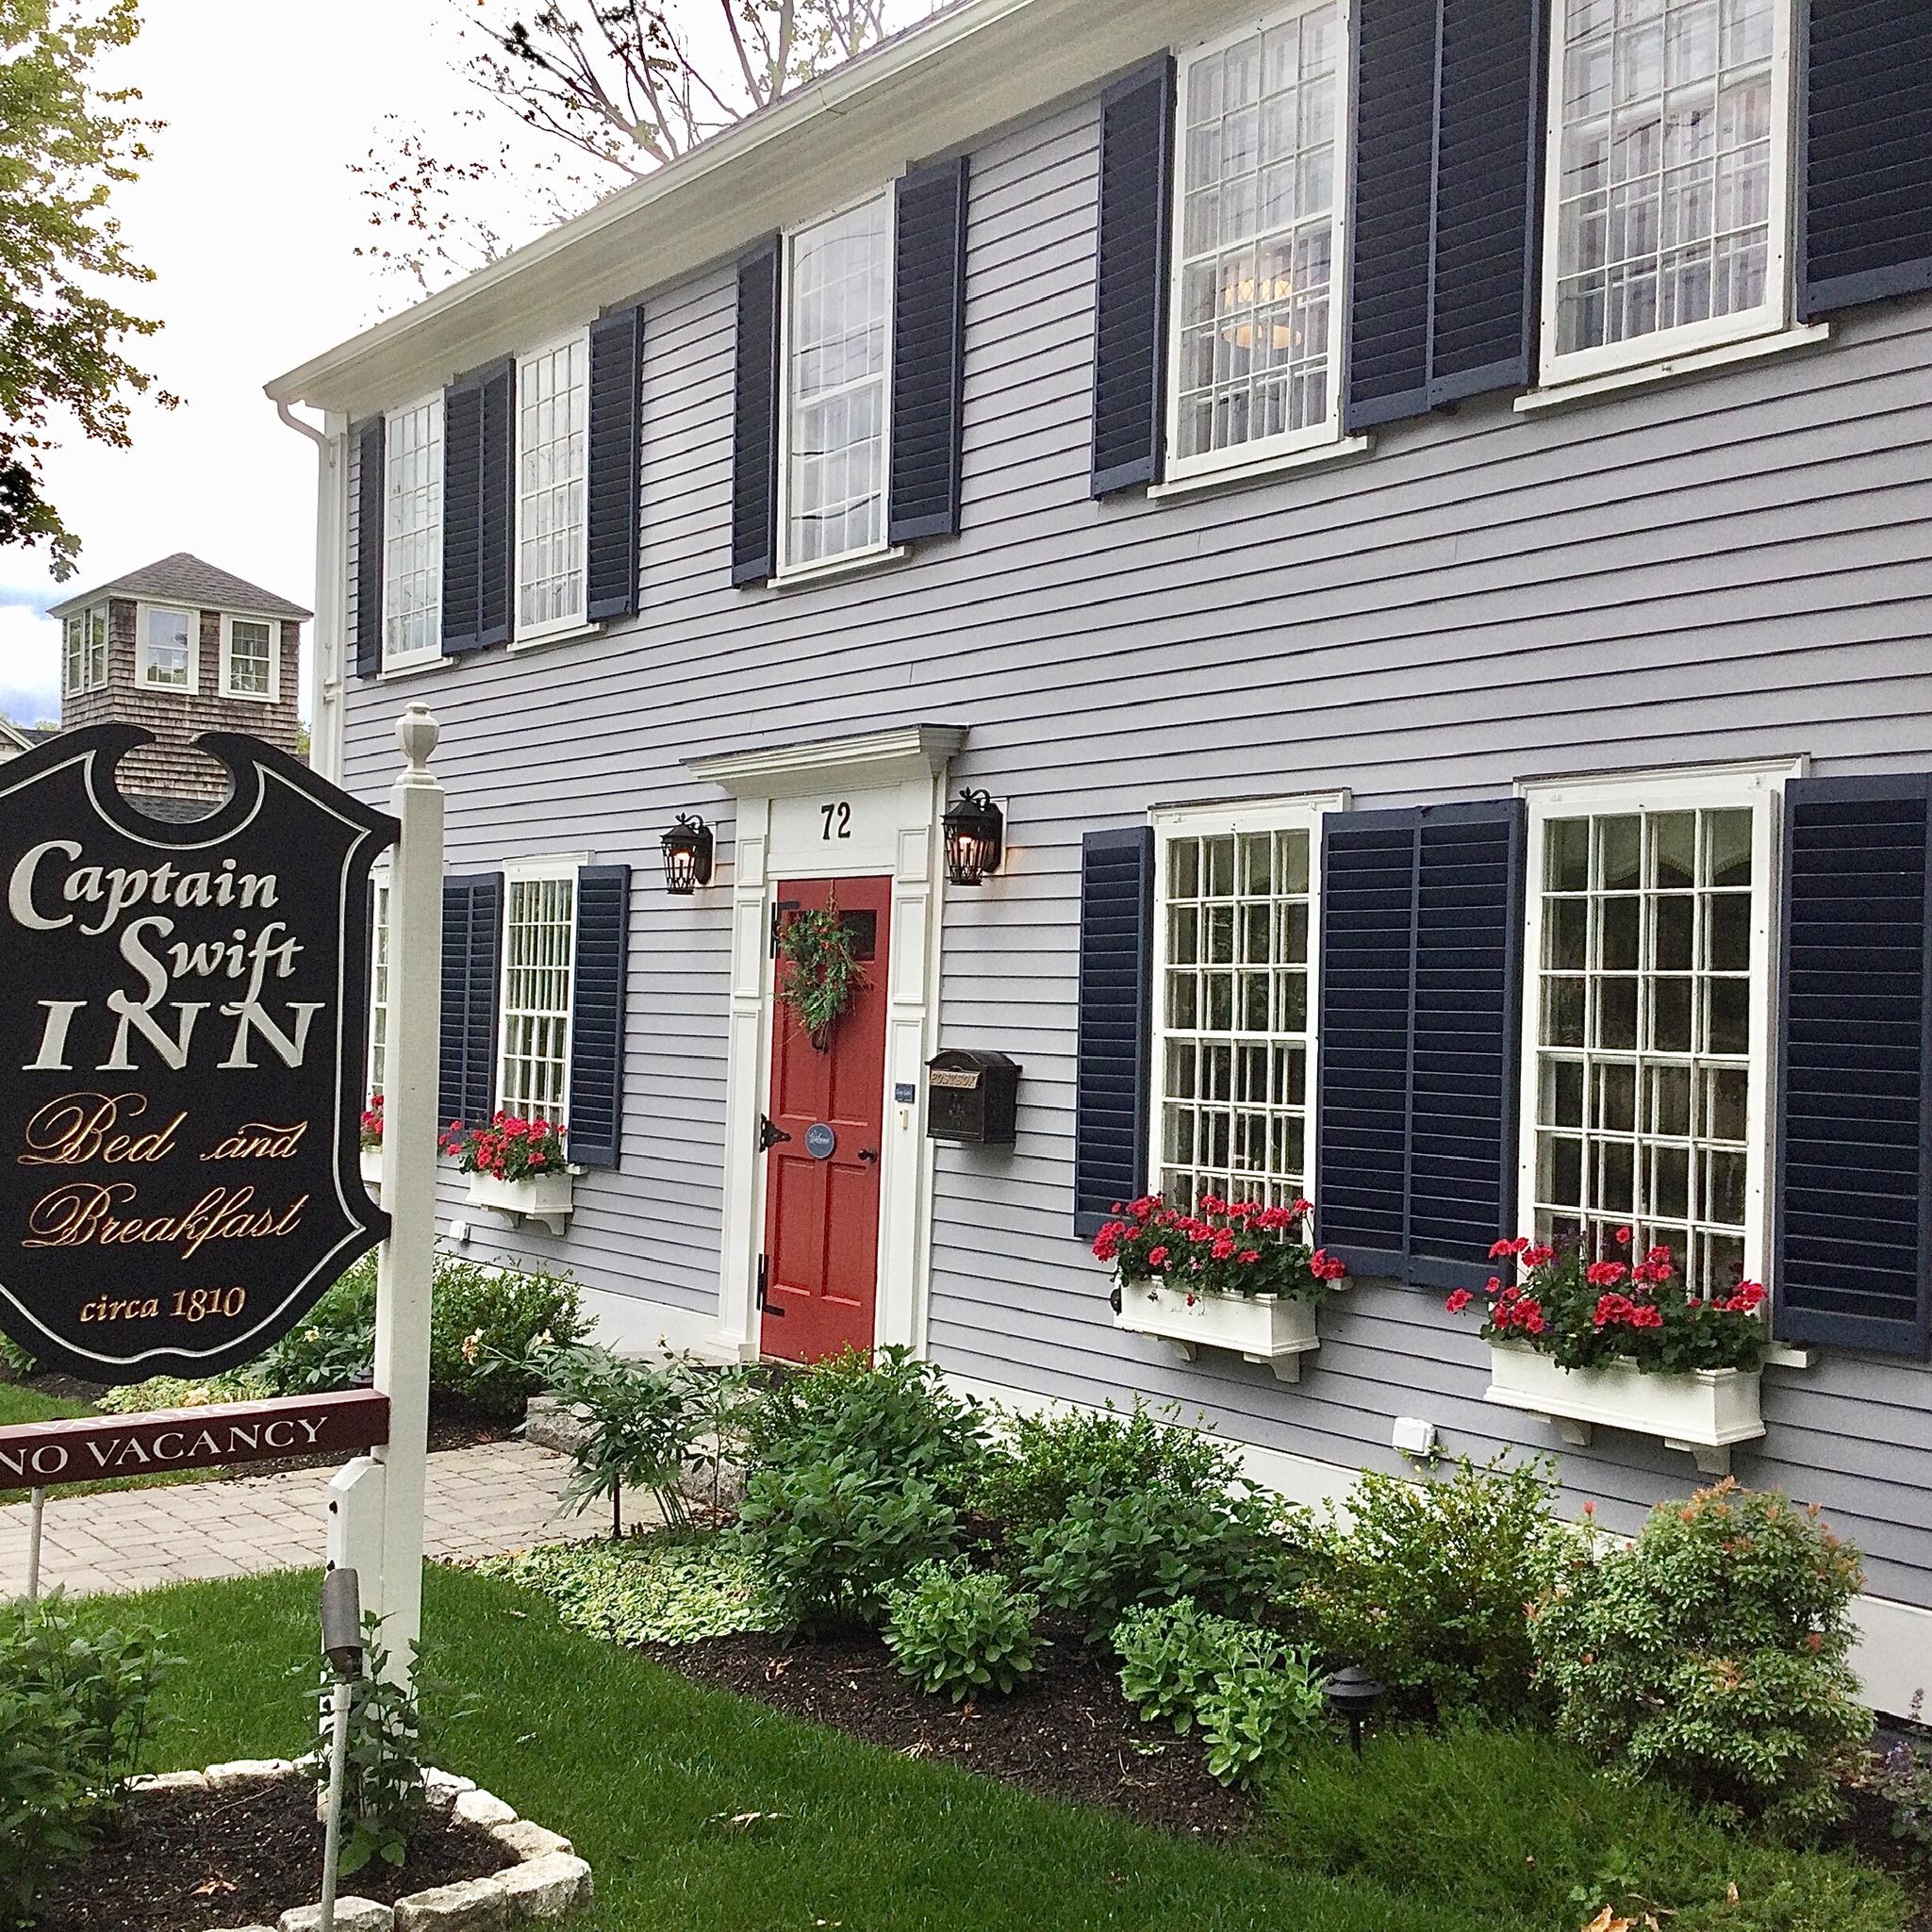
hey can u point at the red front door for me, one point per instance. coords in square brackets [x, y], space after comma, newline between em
[822, 1181]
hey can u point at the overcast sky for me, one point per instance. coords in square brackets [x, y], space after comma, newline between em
[247, 214]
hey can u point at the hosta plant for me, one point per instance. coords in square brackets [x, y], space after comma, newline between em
[1217, 1247]
[1587, 1313]
[509, 1149]
[957, 1633]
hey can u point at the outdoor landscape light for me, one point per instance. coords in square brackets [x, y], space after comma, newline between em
[1353, 1694]
[974, 828]
[687, 855]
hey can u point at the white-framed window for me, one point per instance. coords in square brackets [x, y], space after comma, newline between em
[251, 651]
[84, 660]
[1668, 201]
[379, 983]
[539, 953]
[168, 647]
[1647, 1050]
[1237, 893]
[413, 534]
[553, 434]
[1260, 201]
[836, 421]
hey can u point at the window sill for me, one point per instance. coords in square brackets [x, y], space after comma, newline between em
[805, 575]
[1672, 368]
[249, 697]
[413, 667]
[567, 635]
[1340, 449]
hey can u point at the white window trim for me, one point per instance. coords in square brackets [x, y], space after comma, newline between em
[1264, 453]
[1771, 317]
[1303, 812]
[226, 687]
[72, 652]
[1757, 783]
[105, 611]
[413, 660]
[788, 572]
[536, 871]
[192, 688]
[521, 633]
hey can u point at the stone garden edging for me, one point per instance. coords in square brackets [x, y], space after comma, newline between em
[546, 1881]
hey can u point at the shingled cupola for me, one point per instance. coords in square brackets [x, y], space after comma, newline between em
[178, 648]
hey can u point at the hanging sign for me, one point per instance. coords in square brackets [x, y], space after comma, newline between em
[183, 1012]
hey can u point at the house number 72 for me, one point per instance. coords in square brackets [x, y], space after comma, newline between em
[839, 814]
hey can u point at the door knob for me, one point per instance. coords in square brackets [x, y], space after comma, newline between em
[868, 1153]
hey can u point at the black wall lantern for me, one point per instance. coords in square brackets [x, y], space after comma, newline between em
[974, 830]
[687, 855]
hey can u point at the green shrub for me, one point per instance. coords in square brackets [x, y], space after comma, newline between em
[671, 1588]
[73, 1719]
[14, 1359]
[331, 1344]
[1254, 1697]
[888, 1412]
[1110, 1552]
[1426, 1585]
[384, 1797]
[1511, 1827]
[1713, 1652]
[487, 1328]
[959, 1632]
[1047, 1461]
[832, 1536]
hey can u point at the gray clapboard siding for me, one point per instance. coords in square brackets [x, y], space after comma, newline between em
[1731, 568]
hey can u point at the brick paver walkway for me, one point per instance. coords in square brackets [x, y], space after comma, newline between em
[481, 1502]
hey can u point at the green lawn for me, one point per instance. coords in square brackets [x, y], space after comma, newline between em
[642, 1769]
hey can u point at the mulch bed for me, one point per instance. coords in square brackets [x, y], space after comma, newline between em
[1066, 1734]
[189, 1860]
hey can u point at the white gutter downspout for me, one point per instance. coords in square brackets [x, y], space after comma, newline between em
[327, 663]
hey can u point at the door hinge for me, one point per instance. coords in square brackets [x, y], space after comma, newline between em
[765, 1307]
[779, 908]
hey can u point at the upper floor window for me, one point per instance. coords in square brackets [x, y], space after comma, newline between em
[167, 659]
[1647, 1019]
[540, 945]
[552, 398]
[838, 396]
[1234, 1044]
[413, 535]
[1255, 357]
[84, 665]
[1668, 178]
[379, 985]
[248, 658]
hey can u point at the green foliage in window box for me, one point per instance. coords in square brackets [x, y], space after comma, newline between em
[1426, 1584]
[957, 1633]
[510, 1147]
[1217, 1247]
[1714, 1653]
[73, 1713]
[1254, 1696]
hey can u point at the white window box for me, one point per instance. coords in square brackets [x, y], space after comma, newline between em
[1704, 1410]
[1257, 1328]
[544, 1197]
[372, 1171]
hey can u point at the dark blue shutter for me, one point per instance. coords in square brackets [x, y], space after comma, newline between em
[1113, 1051]
[473, 952]
[1449, 140]
[1853, 1219]
[611, 500]
[478, 454]
[928, 340]
[597, 1015]
[754, 419]
[370, 449]
[1865, 165]
[1130, 294]
[1422, 918]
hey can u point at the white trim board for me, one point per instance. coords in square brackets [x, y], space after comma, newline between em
[1893, 1654]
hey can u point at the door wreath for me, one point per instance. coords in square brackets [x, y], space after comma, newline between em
[819, 970]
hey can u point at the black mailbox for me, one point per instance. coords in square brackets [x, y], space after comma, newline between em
[972, 1097]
